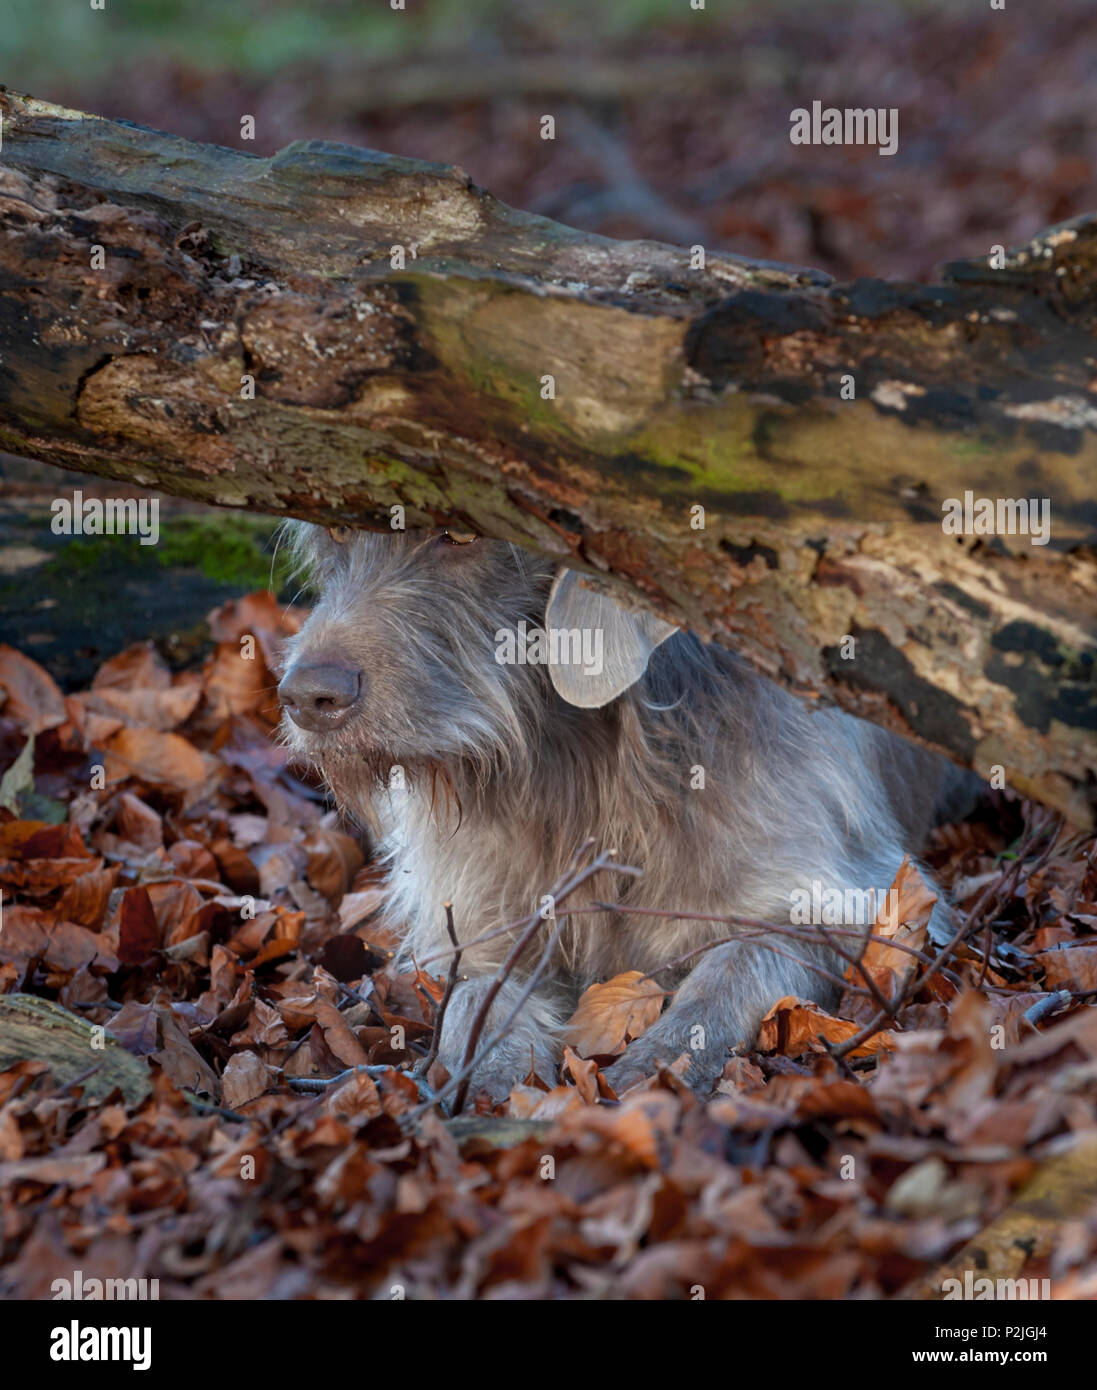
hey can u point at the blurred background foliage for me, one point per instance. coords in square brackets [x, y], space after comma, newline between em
[263, 35]
[672, 123]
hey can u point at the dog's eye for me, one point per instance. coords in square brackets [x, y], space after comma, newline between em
[340, 534]
[458, 537]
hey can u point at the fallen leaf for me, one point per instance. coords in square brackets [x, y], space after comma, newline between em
[34, 699]
[1070, 967]
[85, 899]
[903, 917]
[153, 709]
[583, 1073]
[139, 933]
[793, 1026]
[609, 1015]
[154, 757]
[138, 667]
[19, 778]
[245, 1078]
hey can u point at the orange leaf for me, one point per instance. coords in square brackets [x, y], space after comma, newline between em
[583, 1073]
[155, 757]
[33, 698]
[904, 917]
[609, 1014]
[793, 1026]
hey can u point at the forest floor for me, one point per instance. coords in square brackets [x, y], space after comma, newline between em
[189, 937]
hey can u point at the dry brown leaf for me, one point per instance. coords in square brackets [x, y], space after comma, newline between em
[154, 709]
[71, 946]
[334, 859]
[15, 834]
[356, 907]
[85, 899]
[139, 934]
[552, 1104]
[138, 822]
[193, 860]
[609, 1015]
[140, 667]
[154, 757]
[245, 1078]
[25, 932]
[179, 1058]
[40, 877]
[261, 609]
[793, 1027]
[33, 697]
[338, 1035]
[523, 1100]
[638, 1123]
[276, 948]
[236, 683]
[1072, 967]
[903, 917]
[583, 1073]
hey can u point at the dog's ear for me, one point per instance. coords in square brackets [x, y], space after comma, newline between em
[614, 655]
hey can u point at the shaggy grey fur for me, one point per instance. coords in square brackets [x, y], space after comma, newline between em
[504, 779]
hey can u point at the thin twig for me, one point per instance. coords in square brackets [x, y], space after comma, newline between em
[559, 893]
[533, 924]
[519, 923]
[319, 1085]
[208, 1107]
[855, 963]
[757, 928]
[465, 1074]
[1049, 1004]
[440, 1016]
[991, 892]
[63, 1086]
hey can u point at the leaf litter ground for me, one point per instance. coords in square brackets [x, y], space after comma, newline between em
[189, 948]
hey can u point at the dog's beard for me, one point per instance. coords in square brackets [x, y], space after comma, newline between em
[359, 778]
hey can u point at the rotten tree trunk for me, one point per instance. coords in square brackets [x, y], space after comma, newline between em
[588, 398]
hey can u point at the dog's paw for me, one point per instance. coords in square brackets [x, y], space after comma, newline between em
[504, 1068]
[642, 1059]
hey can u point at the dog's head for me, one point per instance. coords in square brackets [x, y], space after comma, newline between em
[427, 650]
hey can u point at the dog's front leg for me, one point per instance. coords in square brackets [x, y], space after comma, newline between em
[531, 1040]
[719, 1006]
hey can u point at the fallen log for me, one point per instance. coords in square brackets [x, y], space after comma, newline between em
[752, 449]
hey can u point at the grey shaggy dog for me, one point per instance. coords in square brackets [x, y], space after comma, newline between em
[502, 770]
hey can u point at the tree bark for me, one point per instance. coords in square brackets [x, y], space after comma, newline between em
[593, 399]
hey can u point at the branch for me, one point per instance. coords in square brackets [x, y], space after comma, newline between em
[332, 332]
[451, 985]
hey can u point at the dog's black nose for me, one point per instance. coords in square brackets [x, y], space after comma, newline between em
[321, 696]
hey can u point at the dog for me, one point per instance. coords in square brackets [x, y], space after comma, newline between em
[484, 712]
